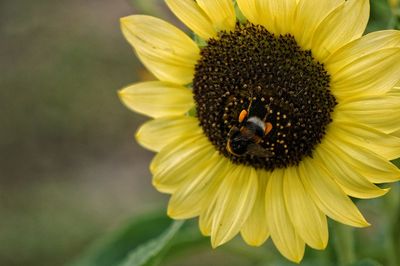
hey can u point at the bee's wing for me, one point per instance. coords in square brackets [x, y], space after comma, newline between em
[258, 151]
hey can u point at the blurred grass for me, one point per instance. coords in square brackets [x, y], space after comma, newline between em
[69, 168]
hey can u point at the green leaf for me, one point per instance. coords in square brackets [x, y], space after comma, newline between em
[239, 15]
[199, 41]
[192, 112]
[187, 241]
[113, 248]
[153, 231]
[147, 253]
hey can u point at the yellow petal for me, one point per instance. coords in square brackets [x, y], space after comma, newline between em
[362, 136]
[171, 165]
[208, 208]
[156, 134]
[283, 233]
[381, 112]
[309, 222]
[345, 23]
[277, 15]
[191, 196]
[165, 50]
[374, 167]
[309, 14]
[395, 91]
[221, 13]
[207, 215]
[193, 16]
[373, 74]
[234, 203]
[396, 133]
[349, 179]
[249, 9]
[327, 195]
[394, 4]
[255, 230]
[366, 45]
[157, 98]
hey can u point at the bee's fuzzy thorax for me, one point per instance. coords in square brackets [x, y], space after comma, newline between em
[256, 120]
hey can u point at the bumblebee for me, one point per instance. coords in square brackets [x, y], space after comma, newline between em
[253, 127]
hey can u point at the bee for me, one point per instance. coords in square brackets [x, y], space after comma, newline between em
[246, 139]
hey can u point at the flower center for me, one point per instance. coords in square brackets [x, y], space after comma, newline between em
[260, 99]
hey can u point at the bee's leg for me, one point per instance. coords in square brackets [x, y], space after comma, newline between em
[251, 102]
[244, 113]
[268, 128]
[267, 113]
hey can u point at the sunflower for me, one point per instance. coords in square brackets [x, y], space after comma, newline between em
[264, 126]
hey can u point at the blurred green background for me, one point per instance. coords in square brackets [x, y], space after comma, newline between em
[70, 170]
[69, 166]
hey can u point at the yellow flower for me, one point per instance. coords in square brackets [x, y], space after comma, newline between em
[271, 125]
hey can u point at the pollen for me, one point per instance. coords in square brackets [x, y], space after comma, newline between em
[252, 67]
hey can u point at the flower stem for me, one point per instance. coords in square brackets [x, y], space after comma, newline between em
[344, 244]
